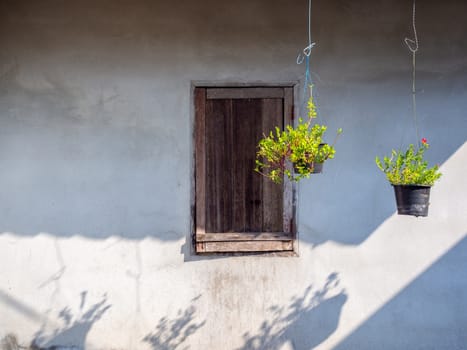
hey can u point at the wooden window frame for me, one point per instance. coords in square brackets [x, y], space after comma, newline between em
[234, 243]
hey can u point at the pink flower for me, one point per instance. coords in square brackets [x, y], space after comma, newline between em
[424, 141]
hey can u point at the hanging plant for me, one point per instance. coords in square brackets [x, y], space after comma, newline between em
[411, 177]
[408, 171]
[302, 147]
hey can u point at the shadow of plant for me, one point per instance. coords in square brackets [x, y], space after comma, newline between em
[171, 334]
[75, 328]
[9, 342]
[305, 323]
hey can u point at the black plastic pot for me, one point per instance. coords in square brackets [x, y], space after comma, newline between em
[412, 199]
[316, 168]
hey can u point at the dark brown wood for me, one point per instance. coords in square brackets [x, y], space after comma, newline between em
[254, 189]
[289, 189]
[218, 165]
[246, 185]
[272, 193]
[200, 160]
[244, 93]
[244, 246]
[240, 184]
[243, 236]
[237, 209]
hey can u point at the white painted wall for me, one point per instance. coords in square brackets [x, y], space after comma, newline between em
[95, 187]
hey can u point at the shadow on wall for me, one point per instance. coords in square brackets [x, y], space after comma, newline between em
[74, 172]
[84, 154]
[346, 208]
[169, 334]
[369, 97]
[75, 327]
[428, 314]
[305, 323]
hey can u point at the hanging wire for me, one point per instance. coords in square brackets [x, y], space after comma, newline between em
[307, 50]
[305, 54]
[412, 44]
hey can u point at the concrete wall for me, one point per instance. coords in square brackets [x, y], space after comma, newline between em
[96, 179]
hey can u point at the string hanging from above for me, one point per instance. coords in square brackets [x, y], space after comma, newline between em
[412, 44]
[305, 54]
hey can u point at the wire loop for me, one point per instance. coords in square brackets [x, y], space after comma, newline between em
[412, 44]
[306, 53]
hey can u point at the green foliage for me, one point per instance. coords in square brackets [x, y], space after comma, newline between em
[409, 167]
[301, 147]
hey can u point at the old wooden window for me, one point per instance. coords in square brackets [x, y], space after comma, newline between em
[237, 209]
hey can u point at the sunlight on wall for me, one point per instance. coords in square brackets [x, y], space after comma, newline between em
[403, 247]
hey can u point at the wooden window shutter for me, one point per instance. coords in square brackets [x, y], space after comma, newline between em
[237, 209]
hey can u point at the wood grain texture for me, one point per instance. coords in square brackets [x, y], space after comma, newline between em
[246, 185]
[218, 165]
[289, 187]
[272, 193]
[200, 160]
[244, 246]
[238, 210]
[244, 93]
[243, 236]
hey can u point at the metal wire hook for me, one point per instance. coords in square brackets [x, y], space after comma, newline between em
[305, 53]
[412, 44]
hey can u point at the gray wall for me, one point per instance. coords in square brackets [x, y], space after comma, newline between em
[96, 122]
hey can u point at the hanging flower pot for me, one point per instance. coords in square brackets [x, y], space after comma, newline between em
[313, 163]
[301, 146]
[411, 177]
[316, 168]
[312, 168]
[412, 199]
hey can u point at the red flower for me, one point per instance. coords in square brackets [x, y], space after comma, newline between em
[424, 141]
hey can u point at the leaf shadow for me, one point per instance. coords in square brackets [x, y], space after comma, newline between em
[171, 334]
[306, 322]
[75, 326]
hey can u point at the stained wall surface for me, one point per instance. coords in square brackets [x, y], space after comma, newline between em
[96, 180]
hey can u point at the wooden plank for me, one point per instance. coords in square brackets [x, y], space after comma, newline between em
[218, 165]
[216, 123]
[247, 186]
[272, 193]
[210, 172]
[289, 188]
[244, 93]
[200, 160]
[258, 246]
[217, 134]
[243, 236]
[240, 133]
[255, 192]
[227, 190]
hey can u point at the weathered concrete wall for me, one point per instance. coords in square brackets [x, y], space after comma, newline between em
[95, 187]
